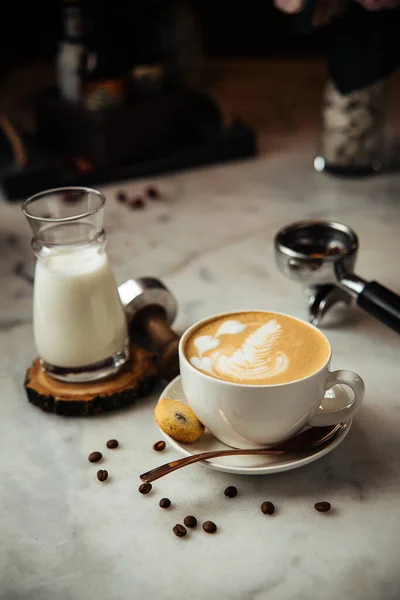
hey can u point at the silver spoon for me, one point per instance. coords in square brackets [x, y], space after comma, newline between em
[314, 438]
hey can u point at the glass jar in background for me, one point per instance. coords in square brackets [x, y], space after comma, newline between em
[353, 137]
[79, 323]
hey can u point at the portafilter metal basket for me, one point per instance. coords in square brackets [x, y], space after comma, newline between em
[322, 255]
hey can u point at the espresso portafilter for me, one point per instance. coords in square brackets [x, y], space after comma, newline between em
[321, 254]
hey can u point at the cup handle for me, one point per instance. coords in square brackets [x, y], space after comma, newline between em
[325, 417]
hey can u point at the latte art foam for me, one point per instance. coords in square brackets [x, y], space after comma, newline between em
[256, 348]
[257, 358]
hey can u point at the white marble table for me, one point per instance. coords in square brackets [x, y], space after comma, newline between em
[65, 536]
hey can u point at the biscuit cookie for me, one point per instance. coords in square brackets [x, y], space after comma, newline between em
[178, 420]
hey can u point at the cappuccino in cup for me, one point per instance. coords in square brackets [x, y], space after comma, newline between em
[256, 378]
[256, 348]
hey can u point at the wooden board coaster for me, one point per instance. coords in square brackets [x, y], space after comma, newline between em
[136, 379]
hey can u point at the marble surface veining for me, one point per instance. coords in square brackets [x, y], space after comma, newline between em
[65, 536]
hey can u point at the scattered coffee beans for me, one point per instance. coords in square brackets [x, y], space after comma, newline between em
[230, 491]
[95, 457]
[322, 506]
[112, 444]
[165, 503]
[267, 508]
[179, 530]
[102, 475]
[209, 527]
[159, 446]
[145, 488]
[190, 521]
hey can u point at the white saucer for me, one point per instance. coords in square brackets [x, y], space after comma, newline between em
[251, 465]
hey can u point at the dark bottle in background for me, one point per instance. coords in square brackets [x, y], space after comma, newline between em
[70, 51]
[181, 44]
[147, 69]
[103, 69]
[164, 46]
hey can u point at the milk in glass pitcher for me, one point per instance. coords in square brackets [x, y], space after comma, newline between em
[79, 323]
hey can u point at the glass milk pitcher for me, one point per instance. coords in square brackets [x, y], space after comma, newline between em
[79, 323]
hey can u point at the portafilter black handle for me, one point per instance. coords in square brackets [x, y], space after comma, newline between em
[381, 303]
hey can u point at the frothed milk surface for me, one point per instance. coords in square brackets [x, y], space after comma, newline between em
[78, 316]
[256, 348]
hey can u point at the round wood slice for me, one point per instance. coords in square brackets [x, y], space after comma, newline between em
[136, 379]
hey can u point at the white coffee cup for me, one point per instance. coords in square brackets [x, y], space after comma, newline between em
[254, 416]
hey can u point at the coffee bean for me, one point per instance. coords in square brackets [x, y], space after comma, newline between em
[152, 192]
[102, 475]
[137, 203]
[209, 527]
[145, 488]
[159, 446]
[71, 196]
[165, 503]
[190, 521]
[179, 530]
[322, 506]
[121, 197]
[112, 444]
[267, 508]
[95, 457]
[230, 491]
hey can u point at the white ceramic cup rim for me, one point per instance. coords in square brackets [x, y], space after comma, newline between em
[249, 385]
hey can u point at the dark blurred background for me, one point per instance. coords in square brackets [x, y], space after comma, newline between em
[230, 28]
[49, 138]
